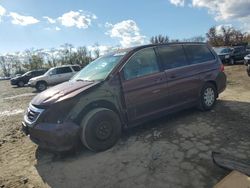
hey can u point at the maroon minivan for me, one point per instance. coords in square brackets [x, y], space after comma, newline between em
[123, 89]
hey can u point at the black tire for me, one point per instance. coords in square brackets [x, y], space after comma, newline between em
[231, 61]
[208, 97]
[41, 86]
[20, 84]
[101, 129]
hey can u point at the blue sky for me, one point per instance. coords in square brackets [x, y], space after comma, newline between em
[83, 23]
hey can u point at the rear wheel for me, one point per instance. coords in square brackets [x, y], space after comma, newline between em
[41, 86]
[20, 84]
[101, 129]
[208, 97]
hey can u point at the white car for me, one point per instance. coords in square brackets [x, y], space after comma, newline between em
[54, 76]
[247, 59]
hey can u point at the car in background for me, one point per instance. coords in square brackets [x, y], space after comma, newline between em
[54, 76]
[231, 55]
[247, 59]
[225, 54]
[123, 89]
[5, 78]
[21, 80]
[248, 48]
[239, 52]
[247, 63]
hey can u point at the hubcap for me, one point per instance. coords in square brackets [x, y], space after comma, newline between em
[103, 130]
[41, 87]
[209, 96]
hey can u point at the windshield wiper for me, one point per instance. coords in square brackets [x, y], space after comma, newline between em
[84, 80]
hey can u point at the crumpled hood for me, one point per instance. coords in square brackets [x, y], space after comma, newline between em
[61, 92]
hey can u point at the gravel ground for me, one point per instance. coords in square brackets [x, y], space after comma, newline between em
[174, 151]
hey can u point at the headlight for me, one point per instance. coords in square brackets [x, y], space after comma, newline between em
[227, 56]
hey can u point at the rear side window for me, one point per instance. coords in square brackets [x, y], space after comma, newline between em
[143, 63]
[198, 53]
[172, 56]
[63, 70]
[38, 73]
[76, 68]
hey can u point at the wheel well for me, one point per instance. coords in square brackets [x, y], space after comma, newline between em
[41, 81]
[97, 104]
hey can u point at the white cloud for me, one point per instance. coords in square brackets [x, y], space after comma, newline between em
[127, 31]
[102, 48]
[223, 10]
[50, 20]
[177, 2]
[22, 20]
[77, 19]
[219, 28]
[53, 28]
[2, 12]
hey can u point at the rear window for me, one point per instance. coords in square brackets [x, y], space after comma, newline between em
[76, 68]
[172, 56]
[63, 70]
[198, 53]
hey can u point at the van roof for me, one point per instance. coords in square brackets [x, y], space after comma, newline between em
[135, 48]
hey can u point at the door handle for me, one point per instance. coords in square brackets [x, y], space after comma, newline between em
[156, 91]
[173, 76]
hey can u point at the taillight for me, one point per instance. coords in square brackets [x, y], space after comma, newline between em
[222, 68]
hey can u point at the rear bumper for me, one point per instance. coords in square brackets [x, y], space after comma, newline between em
[56, 137]
[221, 82]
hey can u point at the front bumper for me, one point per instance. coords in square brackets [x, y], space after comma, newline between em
[31, 84]
[56, 137]
[13, 82]
[246, 61]
[224, 60]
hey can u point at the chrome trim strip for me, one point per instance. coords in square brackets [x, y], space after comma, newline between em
[33, 108]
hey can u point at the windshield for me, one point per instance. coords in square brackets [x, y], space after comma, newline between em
[27, 73]
[99, 69]
[222, 50]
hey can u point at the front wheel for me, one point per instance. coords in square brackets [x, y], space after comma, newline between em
[208, 97]
[41, 86]
[20, 84]
[101, 129]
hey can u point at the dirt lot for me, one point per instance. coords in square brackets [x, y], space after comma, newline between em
[174, 151]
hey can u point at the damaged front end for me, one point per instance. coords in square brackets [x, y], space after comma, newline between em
[50, 128]
[47, 120]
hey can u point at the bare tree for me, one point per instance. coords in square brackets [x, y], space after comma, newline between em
[5, 65]
[195, 39]
[159, 39]
[226, 36]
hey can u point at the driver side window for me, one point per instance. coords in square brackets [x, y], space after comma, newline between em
[142, 63]
[52, 72]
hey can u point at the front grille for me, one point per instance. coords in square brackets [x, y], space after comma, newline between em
[32, 114]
